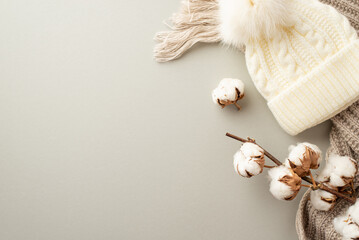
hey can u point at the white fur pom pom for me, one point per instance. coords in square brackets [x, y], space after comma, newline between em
[322, 200]
[339, 171]
[347, 225]
[245, 20]
[285, 184]
[229, 91]
[303, 157]
[249, 160]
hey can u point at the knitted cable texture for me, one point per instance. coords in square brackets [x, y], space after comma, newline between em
[307, 72]
[349, 8]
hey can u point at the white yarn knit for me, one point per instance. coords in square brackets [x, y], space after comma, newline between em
[307, 72]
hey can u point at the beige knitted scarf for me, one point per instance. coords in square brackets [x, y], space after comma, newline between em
[198, 21]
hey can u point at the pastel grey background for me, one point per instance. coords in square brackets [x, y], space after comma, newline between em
[100, 142]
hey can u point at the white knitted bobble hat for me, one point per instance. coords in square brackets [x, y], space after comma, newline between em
[302, 55]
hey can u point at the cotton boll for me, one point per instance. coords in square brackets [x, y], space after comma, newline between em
[315, 155]
[348, 225]
[229, 91]
[249, 160]
[285, 184]
[245, 167]
[252, 150]
[344, 170]
[339, 171]
[322, 200]
[303, 157]
[242, 21]
[350, 232]
[339, 224]
[353, 211]
[239, 164]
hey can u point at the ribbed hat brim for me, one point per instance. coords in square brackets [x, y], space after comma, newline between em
[321, 94]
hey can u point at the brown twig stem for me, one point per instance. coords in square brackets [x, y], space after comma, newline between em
[338, 194]
[313, 181]
[308, 180]
[266, 166]
[327, 189]
[352, 186]
[306, 185]
[237, 106]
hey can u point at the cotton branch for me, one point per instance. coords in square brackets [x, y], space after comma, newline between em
[315, 185]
